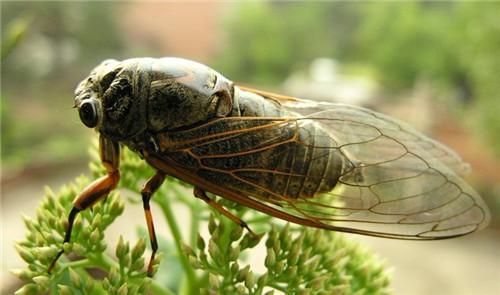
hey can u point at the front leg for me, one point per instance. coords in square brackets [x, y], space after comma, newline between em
[110, 156]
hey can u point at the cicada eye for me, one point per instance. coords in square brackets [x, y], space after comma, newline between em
[88, 113]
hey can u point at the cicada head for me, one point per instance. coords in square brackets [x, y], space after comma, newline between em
[109, 101]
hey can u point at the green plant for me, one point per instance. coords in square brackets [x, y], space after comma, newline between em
[298, 261]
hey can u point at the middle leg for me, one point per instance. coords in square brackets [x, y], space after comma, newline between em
[149, 189]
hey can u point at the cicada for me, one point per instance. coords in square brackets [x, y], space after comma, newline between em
[325, 165]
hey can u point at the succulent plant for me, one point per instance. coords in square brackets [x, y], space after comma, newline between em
[298, 260]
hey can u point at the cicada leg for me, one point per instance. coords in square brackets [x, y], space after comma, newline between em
[110, 155]
[199, 193]
[149, 189]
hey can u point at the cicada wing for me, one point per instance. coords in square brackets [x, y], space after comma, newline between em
[395, 182]
[308, 108]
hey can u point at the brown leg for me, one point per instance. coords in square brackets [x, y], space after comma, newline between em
[110, 154]
[199, 193]
[149, 189]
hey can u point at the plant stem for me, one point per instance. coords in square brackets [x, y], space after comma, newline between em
[174, 228]
[195, 224]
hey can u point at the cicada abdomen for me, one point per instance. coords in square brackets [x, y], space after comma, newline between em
[270, 154]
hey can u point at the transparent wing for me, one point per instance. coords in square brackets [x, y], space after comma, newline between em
[312, 109]
[400, 183]
[393, 181]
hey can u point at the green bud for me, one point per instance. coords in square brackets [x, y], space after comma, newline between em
[277, 246]
[114, 276]
[249, 280]
[213, 281]
[47, 214]
[46, 254]
[55, 238]
[203, 258]
[144, 288]
[64, 290]
[304, 292]
[317, 283]
[158, 258]
[235, 267]
[270, 258]
[121, 248]
[105, 284]
[28, 289]
[262, 281]
[62, 224]
[138, 249]
[342, 262]
[101, 247]
[200, 243]
[22, 274]
[134, 289]
[215, 235]
[137, 264]
[187, 250]
[242, 274]
[95, 236]
[125, 261]
[236, 233]
[269, 292]
[254, 240]
[249, 241]
[40, 240]
[211, 224]
[41, 280]
[98, 207]
[279, 266]
[75, 278]
[79, 249]
[313, 263]
[68, 247]
[123, 289]
[89, 285]
[240, 289]
[234, 253]
[77, 225]
[28, 222]
[304, 256]
[117, 208]
[25, 254]
[194, 262]
[221, 227]
[96, 222]
[342, 289]
[270, 240]
[214, 251]
[85, 234]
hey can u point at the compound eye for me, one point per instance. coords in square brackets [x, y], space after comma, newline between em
[88, 113]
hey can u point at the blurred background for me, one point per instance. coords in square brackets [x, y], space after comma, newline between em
[434, 65]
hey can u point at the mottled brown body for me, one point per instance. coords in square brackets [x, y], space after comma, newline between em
[236, 156]
[160, 106]
[324, 165]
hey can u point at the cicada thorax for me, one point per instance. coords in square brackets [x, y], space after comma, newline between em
[260, 150]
